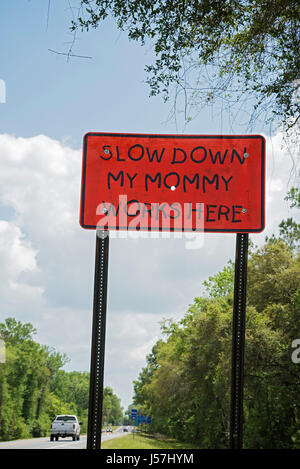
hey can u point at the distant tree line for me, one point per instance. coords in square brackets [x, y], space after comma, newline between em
[34, 388]
[185, 385]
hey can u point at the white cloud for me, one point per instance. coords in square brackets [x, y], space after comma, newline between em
[68, 330]
[47, 260]
[16, 253]
[40, 180]
[282, 172]
[276, 185]
[136, 332]
[17, 257]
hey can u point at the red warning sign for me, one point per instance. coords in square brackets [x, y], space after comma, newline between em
[212, 183]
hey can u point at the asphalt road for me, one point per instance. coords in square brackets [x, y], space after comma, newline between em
[62, 443]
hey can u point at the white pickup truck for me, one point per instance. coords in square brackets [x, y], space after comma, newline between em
[63, 426]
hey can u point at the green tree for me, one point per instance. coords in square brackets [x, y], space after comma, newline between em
[34, 388]
[112, 410]
[187, 391]
[14, 332]
[289, 229]
[244, 46]
[273, 275]
[294, 197]
[221, 284]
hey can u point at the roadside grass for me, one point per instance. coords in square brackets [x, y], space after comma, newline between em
[143, 441]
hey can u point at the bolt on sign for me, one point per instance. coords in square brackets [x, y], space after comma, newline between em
[149, 182]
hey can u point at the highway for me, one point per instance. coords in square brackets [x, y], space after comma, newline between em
[62, 443]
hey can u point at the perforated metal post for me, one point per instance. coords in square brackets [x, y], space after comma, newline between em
[98, 341]
[238, 341]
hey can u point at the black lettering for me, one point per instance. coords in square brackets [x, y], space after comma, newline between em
[131, 178]
[111, 208]
[118, 155]
[185, 177]
[210, 181]
[155, 155]
[226, 182]
[236, 212]
[132, 214]
[204, 156]
[107, 152]
[175, 209]
[174, 156]
[170, 175]
[208, 212]
[158, 175]
[235, 153]
[197, 210]
[136, 158]
[223, 211]
[120, 175]
[218, 156]
[160, 208]
[145, 209]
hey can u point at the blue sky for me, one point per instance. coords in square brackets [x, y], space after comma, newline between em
[46, 259]
[46, 93]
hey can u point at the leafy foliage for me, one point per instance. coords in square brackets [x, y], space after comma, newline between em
[186, 384]
[289, 229]
[34, 388]
[212, 49]
[221, 284]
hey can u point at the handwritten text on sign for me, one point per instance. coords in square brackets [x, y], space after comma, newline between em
[173, 182]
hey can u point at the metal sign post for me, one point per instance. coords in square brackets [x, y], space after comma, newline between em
[98, 341]
[238, 342]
